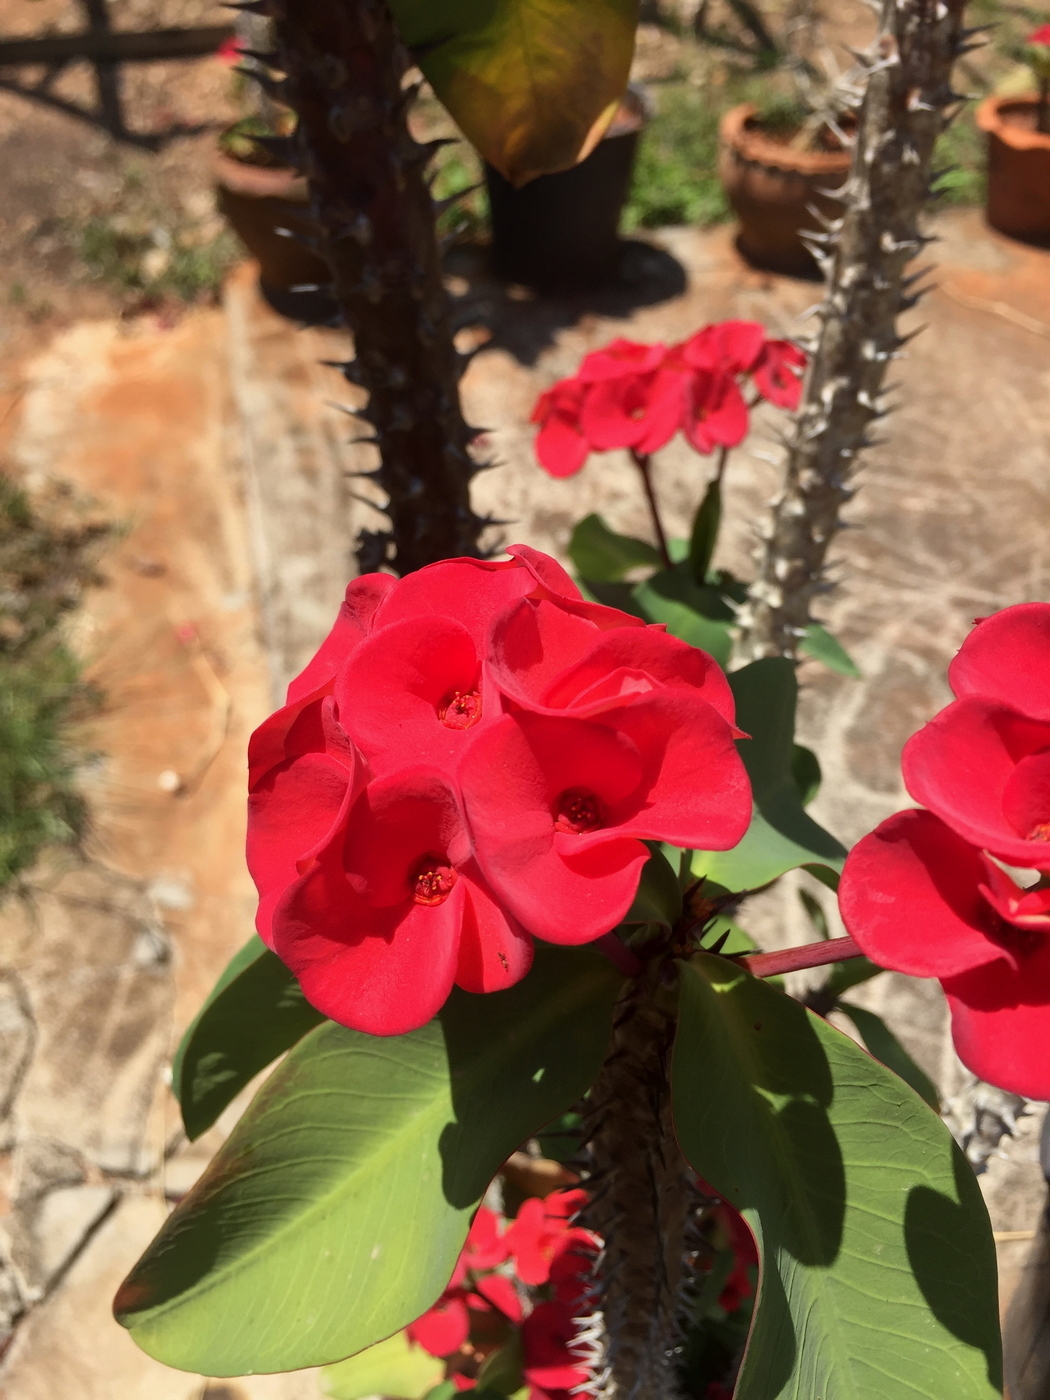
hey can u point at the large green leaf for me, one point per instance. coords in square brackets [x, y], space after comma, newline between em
[781, 835]
[600, 555]
[696, 613]
[395, 1367]
[531, 83]
[335, 1211]
[880, 1041]
[254, 1013]
[878, 1266]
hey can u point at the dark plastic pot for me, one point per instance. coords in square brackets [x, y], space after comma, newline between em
[258, 200]
[1018, 168]
[559, 232]
[771, 189]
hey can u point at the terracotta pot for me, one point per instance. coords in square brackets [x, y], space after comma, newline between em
[771, 188]
[1018, 167]
[257, 200]
[560, 232]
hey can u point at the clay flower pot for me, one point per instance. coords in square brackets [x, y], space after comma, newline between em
[560, 232]
[771, 188]
[259, 199]
[1018, 167]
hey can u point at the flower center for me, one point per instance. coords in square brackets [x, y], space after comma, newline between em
[432, 881]
[1039, 832]
[460, 710]
[577, 811]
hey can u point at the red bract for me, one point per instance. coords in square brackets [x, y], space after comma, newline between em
[630, 395]
[777, 373]
[551, 1367]
[1040, 35]
[920, 899]
[541, 1233]
[983, 763]
[423, 771]
[561, 446]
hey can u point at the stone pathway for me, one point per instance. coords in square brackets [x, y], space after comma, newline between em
[212, 442]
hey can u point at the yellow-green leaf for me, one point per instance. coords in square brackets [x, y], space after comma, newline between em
[532, 83]
[396, 1367]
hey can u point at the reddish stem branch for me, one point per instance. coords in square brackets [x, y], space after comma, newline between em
[619, 954]
[828, 950]
[642, 462]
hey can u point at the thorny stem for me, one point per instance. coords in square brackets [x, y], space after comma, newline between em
[643, 462]
[904, 109]
[644, 1202]
[344, 64]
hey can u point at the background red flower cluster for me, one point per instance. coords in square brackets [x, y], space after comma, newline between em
[961, 891]
[539, 1259]
[639, 396]
[475, 757]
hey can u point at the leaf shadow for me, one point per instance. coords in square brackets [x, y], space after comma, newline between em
[963, 1297]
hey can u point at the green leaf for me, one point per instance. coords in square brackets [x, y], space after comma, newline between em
[815, 913]
[500, 1372]
[697, 615]
[335, 1211]
[781, 835]
[850, 973]
[705, 532]
[823, 647]
[659, 896]
[254, 1013]
[880, 1041]
[878, 1273]
[395, 1367]
[805, 770]
[600, 555]
[530, 83]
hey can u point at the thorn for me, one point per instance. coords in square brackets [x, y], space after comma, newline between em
[271, 60]
[441, 205]
[362, 413]
[248, 7]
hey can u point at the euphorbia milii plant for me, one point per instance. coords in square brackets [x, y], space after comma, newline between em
[499, 830]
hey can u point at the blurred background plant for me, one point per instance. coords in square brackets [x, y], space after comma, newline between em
[48, 555]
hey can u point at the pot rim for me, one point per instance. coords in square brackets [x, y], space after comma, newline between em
[749, 143]
[989, 118]
[260, 181]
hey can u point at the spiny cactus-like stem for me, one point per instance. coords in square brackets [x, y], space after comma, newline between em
[643, 1203]
[343, 65]
[907, 103]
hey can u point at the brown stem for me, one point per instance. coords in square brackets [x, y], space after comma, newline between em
[644, 1203]
[828, 950]
[344, 65]
[644, 464]
[903, 112]
[1042, 120]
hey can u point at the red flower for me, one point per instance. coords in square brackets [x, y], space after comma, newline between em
[541, 1233]
[920, 899]
[445, 1327]
[229, 51]
[983, 763]
[561, 446]
[731, 347]
[715, 411]
[777, 373]
[422, 772]
[1040, 35]
[551, 1367]
[738, 1286]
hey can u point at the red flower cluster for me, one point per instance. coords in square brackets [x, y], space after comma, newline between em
[639, 396]
[546, 1252]
[955, 892]
[474, 757]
